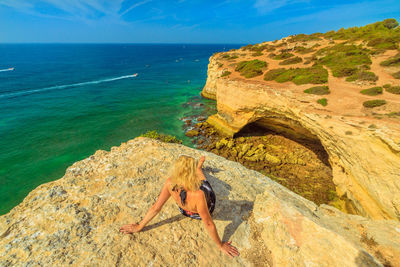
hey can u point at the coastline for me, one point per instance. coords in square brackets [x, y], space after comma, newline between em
[43, 133]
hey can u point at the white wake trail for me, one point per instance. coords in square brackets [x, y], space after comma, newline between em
[32, 91]
[9, 69]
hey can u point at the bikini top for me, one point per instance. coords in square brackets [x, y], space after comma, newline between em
[208, 192]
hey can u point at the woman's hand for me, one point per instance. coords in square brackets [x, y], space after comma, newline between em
[130, 228]
[201, 161]
[229, 250]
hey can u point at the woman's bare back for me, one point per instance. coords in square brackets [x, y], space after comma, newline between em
[192, 197]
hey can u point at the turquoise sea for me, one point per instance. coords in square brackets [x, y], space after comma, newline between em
[62, 102]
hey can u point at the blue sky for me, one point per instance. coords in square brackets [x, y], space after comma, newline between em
[182, 21]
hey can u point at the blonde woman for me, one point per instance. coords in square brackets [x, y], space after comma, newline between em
[195, 198]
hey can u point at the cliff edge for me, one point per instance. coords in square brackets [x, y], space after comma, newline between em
[75, 220]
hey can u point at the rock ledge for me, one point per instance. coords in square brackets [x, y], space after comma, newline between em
[75, 220]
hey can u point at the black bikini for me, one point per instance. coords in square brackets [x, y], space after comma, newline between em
[210, 197]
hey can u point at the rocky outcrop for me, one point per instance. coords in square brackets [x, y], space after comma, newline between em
[75, 220]
[213, 73]
[364, 151]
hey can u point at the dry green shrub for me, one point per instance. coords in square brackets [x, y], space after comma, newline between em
[374, 103]
[372, 91]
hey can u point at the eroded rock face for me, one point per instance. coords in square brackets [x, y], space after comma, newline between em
[75, 220]
[213, 73]
[364, 152]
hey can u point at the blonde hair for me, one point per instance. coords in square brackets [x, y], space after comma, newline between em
[184, 173]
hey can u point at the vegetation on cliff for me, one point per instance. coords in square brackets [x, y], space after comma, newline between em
[393, 61]
[305, 38]
[293, 60]
[313, 75]
[225, 73]
[377, 90]
[374, 103]
[162, 137]
[229, 56]
[345, 60]
[350, 59]
[363, 75]
[258, 48]
[252, 68]
[283, 55]
[318, 90]
[381, 35]
[393, 90]
[303, 50]
[323, 101]
[257, 54]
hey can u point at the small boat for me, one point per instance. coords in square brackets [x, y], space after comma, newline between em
[135, 75]
[8, 69]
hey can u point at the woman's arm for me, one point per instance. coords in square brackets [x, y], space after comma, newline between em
[199, 171]
[151, 213]
[201, 161]
[202, 208]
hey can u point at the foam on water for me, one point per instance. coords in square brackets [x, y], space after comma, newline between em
[9, 69]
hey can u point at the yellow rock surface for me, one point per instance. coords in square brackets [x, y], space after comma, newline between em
[75, 220]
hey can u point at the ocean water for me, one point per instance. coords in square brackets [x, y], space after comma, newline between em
[62, 102]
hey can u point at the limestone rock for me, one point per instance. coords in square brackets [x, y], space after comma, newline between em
[75, 220]
[192, 133]
[272, 159]
[221, 143]
[230, 144]
[365, 164]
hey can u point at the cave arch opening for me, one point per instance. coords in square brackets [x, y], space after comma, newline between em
[301, 161]
[290, 130]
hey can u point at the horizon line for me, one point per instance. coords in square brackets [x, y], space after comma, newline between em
[164, 43]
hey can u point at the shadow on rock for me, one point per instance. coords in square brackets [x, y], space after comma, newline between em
[175, 218]
[235, 211]
[366, 260]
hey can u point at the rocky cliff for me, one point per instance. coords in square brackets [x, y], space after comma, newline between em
[363, 144]
[75, 220]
